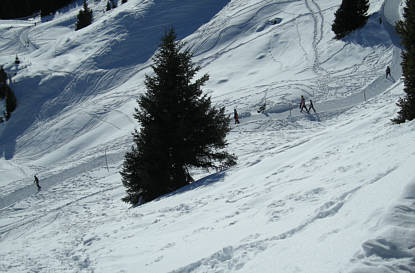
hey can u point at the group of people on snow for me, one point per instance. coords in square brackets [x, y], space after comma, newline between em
[262, 108]
[304, 106]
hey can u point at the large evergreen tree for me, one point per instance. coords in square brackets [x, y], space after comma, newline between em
[84, 17]
[11, 102]
[108, 6]
[406, 29]
[3, 76]
[351, 15]
[179, 128]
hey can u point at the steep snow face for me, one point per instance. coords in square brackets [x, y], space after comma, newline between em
[330, 191]
[64, 69]
[393, 11]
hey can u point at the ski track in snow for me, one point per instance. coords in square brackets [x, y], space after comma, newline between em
[234, 257]
[324, 87]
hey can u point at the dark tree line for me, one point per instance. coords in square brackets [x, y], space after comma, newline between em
[179, 128]
[112, 4]
[84, 17]
[10, 9]
[406, 29]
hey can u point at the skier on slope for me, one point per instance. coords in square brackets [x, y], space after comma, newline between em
[302, 104]
[388, 71]
[37, 183]
[261, 108]
[235, 116]
[311, 107]
[16, 60]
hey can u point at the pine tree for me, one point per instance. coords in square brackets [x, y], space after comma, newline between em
[3, 83]
[3, 76]
[406, 29]
[84, 17]
[46, 7]
[179, 128]
[114, 3]
[11, 102]
[123, 1]
[108, 6]
[351, 15]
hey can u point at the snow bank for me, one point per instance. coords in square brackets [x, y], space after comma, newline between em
[393, 10]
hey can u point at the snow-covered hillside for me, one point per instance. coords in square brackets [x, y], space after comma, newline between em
[331, 191]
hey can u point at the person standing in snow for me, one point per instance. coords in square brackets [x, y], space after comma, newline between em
[388, 71]
[311, 107]
[302, 104]
[37, 183]
[235, 116]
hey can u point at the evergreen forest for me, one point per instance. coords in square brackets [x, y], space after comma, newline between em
[10, 9]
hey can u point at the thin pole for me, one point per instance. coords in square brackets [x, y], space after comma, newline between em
[106, 160]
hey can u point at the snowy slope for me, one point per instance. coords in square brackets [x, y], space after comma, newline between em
[326, 192]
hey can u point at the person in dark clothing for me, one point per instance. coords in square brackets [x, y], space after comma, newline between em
[236, 116]
[261, 108]
[388, 71]
[302, 104]
[311, 107]
[37, 183]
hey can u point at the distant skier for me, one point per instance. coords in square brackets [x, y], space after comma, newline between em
[236, 116]
[16, 60]
[311, 107]
[388, 71]
[302, 104]
[262, 108]
[37, 183]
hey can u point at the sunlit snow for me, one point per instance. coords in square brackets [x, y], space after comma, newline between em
[324, 192]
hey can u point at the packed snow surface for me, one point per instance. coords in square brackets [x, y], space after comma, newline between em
[331, 191]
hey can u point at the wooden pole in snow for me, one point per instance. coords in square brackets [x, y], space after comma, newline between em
[106, 160]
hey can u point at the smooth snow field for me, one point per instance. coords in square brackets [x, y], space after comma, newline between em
[325, 192]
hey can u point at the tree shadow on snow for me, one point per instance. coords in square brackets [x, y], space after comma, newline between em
[31, 97]
[203, 182]
[139, 37]
[374, 33]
